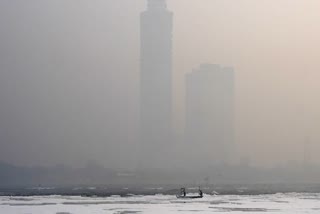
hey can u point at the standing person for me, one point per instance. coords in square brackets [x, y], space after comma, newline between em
[200, 192]
[183, 192]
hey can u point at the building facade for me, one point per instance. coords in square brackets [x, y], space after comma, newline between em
[210, 114]
[155, 82]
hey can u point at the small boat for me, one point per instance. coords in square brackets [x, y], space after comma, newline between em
[183, 194]
[189, 197]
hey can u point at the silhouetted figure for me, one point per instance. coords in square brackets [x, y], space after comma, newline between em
[183, 192]
[200, 193]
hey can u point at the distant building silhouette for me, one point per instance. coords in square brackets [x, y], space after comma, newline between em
[209, 114]
[156, 82]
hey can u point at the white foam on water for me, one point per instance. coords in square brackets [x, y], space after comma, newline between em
[277, 203]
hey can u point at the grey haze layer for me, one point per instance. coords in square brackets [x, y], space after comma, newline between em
[70, 70]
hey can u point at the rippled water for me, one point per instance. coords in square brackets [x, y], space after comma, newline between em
[277, 203]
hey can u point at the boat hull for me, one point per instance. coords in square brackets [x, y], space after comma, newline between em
[188, 197]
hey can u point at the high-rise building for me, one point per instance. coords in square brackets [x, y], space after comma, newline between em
[156, 82]
[210, 114]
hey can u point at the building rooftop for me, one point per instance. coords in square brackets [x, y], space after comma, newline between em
[157, 4]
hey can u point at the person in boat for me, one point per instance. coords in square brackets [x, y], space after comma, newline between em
[183, 192]
[200, 193]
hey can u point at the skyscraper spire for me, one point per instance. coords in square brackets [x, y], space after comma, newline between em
[157, 4]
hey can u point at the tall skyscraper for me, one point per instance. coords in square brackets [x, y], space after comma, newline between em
[156, 82]
[210, 114]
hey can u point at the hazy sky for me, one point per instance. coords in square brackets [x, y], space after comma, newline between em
[69, 74]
